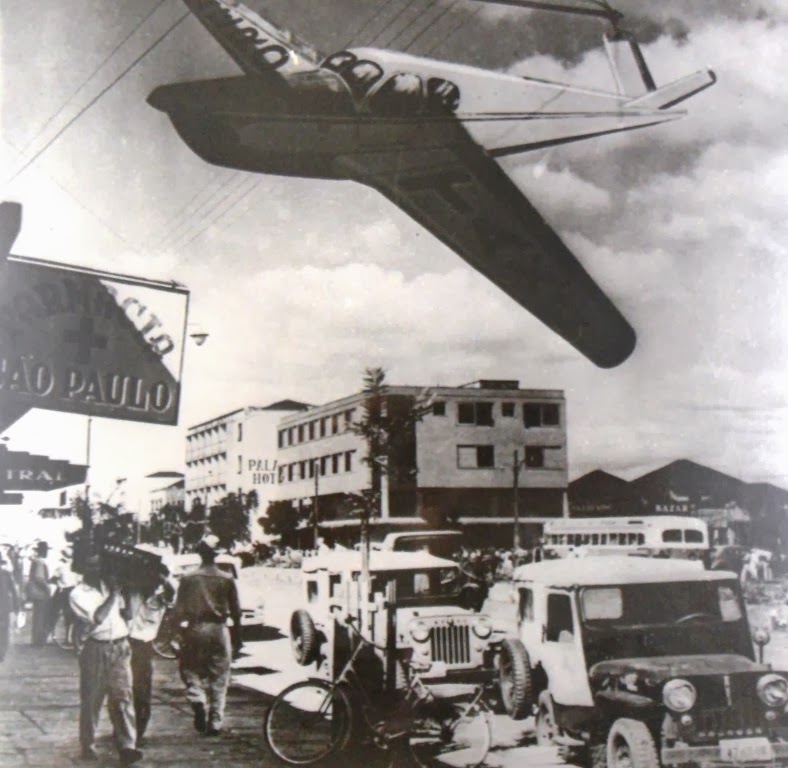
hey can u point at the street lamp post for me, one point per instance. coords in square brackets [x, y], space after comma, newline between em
[316, 503]
[516, 502]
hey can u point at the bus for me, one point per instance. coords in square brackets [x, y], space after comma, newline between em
[656, 536]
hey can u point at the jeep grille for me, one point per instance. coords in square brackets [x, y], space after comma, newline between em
[451, 644]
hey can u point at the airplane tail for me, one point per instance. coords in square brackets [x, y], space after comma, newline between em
[634, 79]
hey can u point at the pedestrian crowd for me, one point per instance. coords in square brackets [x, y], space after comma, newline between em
[120, 623]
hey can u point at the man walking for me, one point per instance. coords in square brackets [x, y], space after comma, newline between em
[9, 605]
[38, 593]
[146, 611]
[206, 598]
[104, 663]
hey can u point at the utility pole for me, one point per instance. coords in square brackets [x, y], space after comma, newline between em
[316, 502]
[516, 501]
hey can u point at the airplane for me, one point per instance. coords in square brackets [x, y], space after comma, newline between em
[427, 134]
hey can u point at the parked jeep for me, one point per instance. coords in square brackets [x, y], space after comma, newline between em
[639, 662]
[413, 608]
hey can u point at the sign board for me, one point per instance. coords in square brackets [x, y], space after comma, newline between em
[89, 342]
[20, 471]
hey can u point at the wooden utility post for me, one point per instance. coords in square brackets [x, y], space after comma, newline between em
[516, 502]
[315, 502]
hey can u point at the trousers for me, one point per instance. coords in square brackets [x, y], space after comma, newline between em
[39, 630]
[105, 673]
[142, 682]
[205, 668]
[5, 633]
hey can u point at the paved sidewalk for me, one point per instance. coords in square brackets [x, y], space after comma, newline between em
[39, 714]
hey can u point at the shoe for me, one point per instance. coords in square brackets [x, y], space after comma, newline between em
[130, 756]
[213, 731]
[199, 717]
[88, 755]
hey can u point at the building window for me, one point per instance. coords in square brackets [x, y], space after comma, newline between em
[349, 417]
[291, 436]
[240, 431]
[311, 430]
[312, 467]
[300, 433]
[302, 470]
[290, 472]
[281, 438]
[349, 461]
[507, 409]
[480, 414]
[541, 415]
[335, 463]
[475, 456]
[323, 465]
[335, 424]
[323, 423]
[240, 464]
[534, 456]
[439, 408]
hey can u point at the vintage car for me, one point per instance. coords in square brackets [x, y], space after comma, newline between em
[639, 662]
[413, 607]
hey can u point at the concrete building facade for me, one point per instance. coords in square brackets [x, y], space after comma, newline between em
[456, 465]
[235, 453]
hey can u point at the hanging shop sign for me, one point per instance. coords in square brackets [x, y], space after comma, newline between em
[89, 342]
[20, 471]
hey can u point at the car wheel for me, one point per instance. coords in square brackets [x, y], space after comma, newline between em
[515, 679]
[303, 637]
[631, 745]
[546, 729]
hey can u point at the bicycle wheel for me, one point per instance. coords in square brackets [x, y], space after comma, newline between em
[62, 632]
[307, 722]
[455, 734]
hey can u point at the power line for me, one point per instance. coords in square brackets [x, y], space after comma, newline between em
[96, 98]
[454, 31]
[431, 24]
[396, 18]
[410, 24]
[92, 75]
[365, 25]
[208, 206]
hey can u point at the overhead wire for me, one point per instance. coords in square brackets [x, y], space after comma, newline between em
[366, 25]
[411, 23]
[92, 75]
[99, 95]
[453, 32]
[405, 8]
[407, 46]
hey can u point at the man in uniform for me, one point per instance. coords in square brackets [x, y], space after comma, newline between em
[206, 598]
[104, 663]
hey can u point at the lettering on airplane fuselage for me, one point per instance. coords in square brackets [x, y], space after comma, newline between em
[243, 33]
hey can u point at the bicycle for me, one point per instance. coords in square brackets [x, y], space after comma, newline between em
[313, 719]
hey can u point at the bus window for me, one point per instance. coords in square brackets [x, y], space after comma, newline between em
[401, 94]
[594, 538]
[586, 539]
[442, 95]
[603, 538]
[632, 538]
[360, 75]
[693, 537]
[339, 60]
[671, 536]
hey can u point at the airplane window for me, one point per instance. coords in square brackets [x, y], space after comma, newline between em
[339, 60]
[400, 94]
[362, 75]
[442, 95]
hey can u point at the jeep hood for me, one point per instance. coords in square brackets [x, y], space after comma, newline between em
[658, 669]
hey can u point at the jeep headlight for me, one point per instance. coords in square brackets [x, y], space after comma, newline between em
[482, 627]
[419, 630]
[773, 690]
[679, 695]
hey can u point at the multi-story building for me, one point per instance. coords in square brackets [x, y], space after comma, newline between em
[172, 493]
[235, 453]
[460, 462]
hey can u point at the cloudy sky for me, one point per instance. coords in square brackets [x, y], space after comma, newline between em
[302, 284]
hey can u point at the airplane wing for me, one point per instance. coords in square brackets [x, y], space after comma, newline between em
[465, 199]
[258, 46]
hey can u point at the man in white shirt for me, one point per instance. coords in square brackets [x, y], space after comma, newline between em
[104, 663]
[146, 610]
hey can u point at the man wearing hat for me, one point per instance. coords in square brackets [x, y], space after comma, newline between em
[9, 605]
[104, 663]
[206, 598]
[37, 592]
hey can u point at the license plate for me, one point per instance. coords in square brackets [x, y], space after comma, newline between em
[746, 750]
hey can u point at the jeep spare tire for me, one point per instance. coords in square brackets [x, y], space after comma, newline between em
[303, 637]
[515, 679]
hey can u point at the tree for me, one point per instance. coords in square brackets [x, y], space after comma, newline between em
[383, 428]
[229, 518]
[281, 519]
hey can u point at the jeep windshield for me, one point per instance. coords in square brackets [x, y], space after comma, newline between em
[664, 619]
[420, 584]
